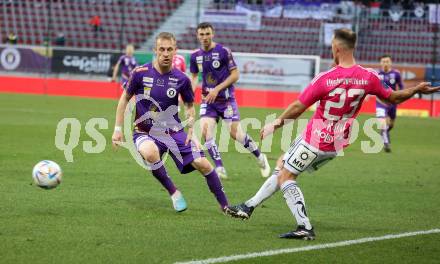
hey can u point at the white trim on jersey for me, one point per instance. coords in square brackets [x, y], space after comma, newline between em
[312, 82]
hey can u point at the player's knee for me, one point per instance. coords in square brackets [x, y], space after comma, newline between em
[149, 153]
[202, 165]
[285, 175]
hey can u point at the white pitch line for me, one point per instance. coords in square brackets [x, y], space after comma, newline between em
[308, 248]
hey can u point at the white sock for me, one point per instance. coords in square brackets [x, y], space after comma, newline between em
[269, 187]
[295, 201]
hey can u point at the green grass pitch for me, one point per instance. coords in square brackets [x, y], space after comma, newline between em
[109, 210]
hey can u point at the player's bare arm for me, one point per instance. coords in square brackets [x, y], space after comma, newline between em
[190, 114]
[233, 77]
[400, 96]
[293, 111]
[118, 136]
[115, 71]
[194, 81]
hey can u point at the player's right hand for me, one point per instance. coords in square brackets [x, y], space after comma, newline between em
[426, 88]
[267, 130]
[117, 138]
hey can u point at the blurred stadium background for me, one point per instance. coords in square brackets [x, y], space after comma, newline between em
[82, 39]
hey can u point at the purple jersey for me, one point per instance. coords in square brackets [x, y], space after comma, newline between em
[127, 64]
[215, 66]
[392, 79]
[157, 97]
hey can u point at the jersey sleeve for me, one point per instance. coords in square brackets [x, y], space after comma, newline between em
[133, 82]
[228, 59]
[193, 64]
[187, 92]
[379, 87]
[312, 93]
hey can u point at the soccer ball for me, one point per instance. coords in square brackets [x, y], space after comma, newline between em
[47, 174]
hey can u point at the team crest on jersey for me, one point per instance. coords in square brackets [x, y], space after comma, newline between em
[392, 81]
[171, 92]
[215, 64]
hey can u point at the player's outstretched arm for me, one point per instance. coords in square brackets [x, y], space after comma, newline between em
[400, 96]
[293, 111]
[118, 136]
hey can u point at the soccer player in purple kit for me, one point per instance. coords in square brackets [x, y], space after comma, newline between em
[158, 129]
[127, 63]
[384, 111]
[219, 73]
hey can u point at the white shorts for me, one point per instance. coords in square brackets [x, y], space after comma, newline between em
[302, 156]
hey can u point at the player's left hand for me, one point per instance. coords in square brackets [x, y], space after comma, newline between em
[210, 98]
[426, 88]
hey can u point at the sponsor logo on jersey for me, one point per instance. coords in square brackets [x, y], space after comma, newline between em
[160, 82]
[216, 56]
[173, 79]
[210, 79]
[148, 79]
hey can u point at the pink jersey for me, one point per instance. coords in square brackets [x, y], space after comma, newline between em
[179, 63]
[340, 92]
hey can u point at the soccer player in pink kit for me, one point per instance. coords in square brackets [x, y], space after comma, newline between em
[340, 92]
[179, 63]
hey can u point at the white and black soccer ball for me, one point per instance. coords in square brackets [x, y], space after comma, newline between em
[47, 174]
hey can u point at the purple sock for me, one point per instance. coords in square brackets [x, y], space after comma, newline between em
[161, 175]
[213, 152]
[250, 145]
[215, 186]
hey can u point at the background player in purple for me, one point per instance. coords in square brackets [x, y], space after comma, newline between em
[387, 112]
[219, 73]
[157, 127]
[340, 93]
[127, 63]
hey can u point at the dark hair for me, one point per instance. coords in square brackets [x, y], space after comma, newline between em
[204, 25]
[385, 56]
[166, 35]
[347, 36]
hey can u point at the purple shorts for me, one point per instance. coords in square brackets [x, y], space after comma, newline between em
[383, 111]
[227, 110]
[183, 155]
